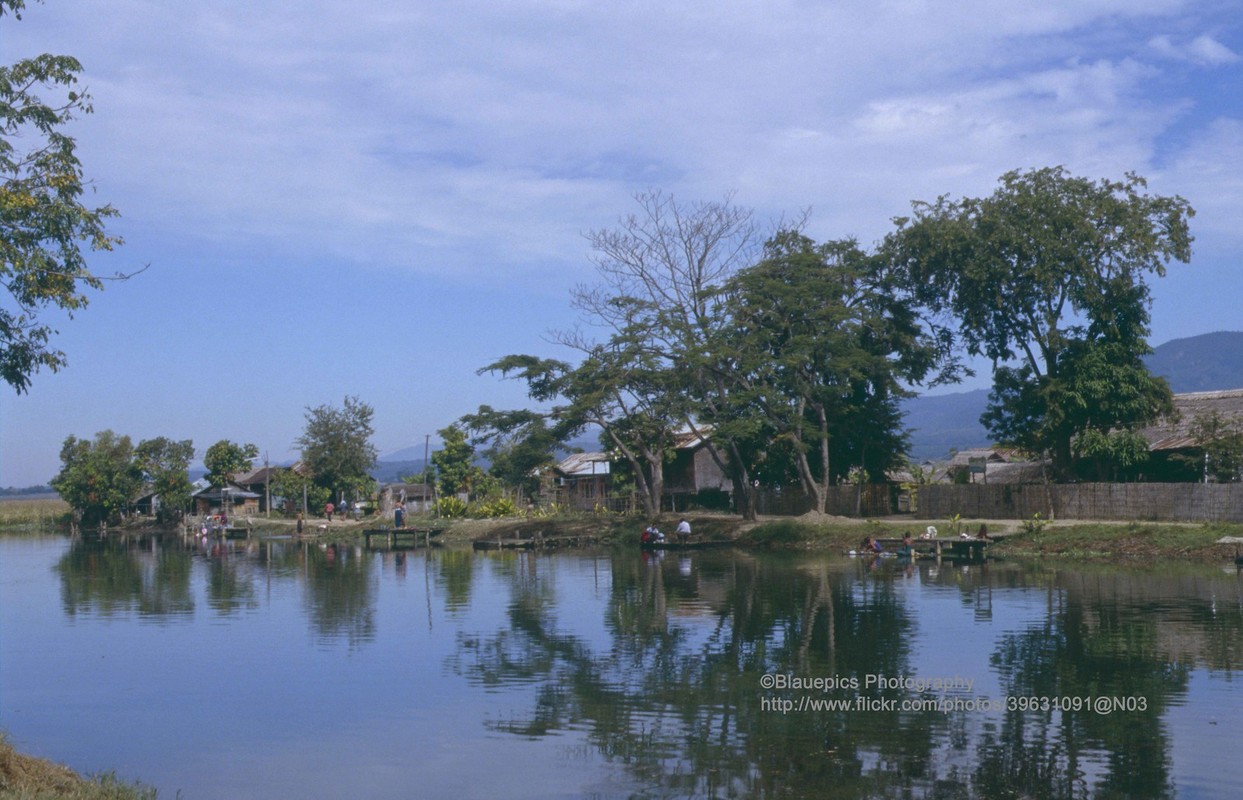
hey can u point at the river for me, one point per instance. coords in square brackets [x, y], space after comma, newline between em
[288, 669]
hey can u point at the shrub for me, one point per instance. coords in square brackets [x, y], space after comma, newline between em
[495, 507]
[450, 507]
[1035, 524]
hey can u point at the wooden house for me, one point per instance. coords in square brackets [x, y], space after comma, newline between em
[231, 498]
[693, 472]
[583, 479]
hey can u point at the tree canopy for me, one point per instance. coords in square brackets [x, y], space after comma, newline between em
[336, 446]
[97, 477]
[1047, 277]
[224, 459]
[165, 465]
[46, 230]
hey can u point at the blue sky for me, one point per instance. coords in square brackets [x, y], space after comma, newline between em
[376, 199]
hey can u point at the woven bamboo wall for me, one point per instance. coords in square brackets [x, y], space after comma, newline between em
[1186, 502]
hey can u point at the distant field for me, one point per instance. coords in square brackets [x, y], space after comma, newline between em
[31, 510]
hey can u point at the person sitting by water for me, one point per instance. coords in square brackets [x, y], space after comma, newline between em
[907, 550]
[654, 534]
[983, 534]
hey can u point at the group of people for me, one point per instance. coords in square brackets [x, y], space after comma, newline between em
[653, 535]
[872, 546]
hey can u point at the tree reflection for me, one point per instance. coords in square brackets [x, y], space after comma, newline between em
[340, 594]
[676, 696]
[114, 576]
[1095, 641]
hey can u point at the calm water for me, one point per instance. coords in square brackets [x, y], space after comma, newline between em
[286, 670]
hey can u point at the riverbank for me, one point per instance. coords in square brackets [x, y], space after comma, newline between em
[1124, 540]
[23, 776]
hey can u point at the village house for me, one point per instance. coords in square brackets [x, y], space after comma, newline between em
[231, 498]
[582, 480]
[693, 474]
[420, 498]
[1174, 454]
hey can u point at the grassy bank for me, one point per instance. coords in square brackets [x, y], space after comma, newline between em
[27, 778]
[1063, 538]
[1132, 541]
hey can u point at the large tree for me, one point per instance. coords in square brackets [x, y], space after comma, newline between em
[336, 446]
[1048, 278]
[97, 478]
[816, 352]
[165, 465]
[660, 269]
[45, 228]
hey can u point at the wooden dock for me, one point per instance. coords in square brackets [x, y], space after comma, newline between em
[394, 535]
[526, 540]
[940, 547]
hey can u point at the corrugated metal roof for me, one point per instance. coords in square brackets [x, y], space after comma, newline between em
[582, 464]
[1174, 434]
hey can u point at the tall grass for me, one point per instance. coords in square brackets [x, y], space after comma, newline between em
[23, 513]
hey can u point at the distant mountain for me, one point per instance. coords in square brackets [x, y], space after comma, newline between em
[1205, 363]
[944, 422]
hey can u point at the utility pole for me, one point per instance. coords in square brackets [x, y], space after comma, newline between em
[267, 486]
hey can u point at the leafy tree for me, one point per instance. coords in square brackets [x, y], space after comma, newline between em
[455, 467]
[519, 444]
[660, 269]
[1047, 277]
[97, 478]
[165, 464]
[337, 449]
[293, 486]
[814, 350]
[44, 225]
[224, 459]
[629, 395]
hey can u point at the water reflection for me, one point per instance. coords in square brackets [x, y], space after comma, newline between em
[674, 697]
[653, 663]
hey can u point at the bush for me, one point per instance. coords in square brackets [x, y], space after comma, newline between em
[493, 508]
[450, 507]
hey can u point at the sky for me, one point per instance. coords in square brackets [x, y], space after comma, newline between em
[376, 199]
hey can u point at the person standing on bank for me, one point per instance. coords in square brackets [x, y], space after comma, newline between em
[399, 515]
[683, 531]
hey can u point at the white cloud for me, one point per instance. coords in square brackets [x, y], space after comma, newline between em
[1203, 50]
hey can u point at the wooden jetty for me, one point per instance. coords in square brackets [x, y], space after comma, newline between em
[939, 547]
[525, 540]
[393, 535]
